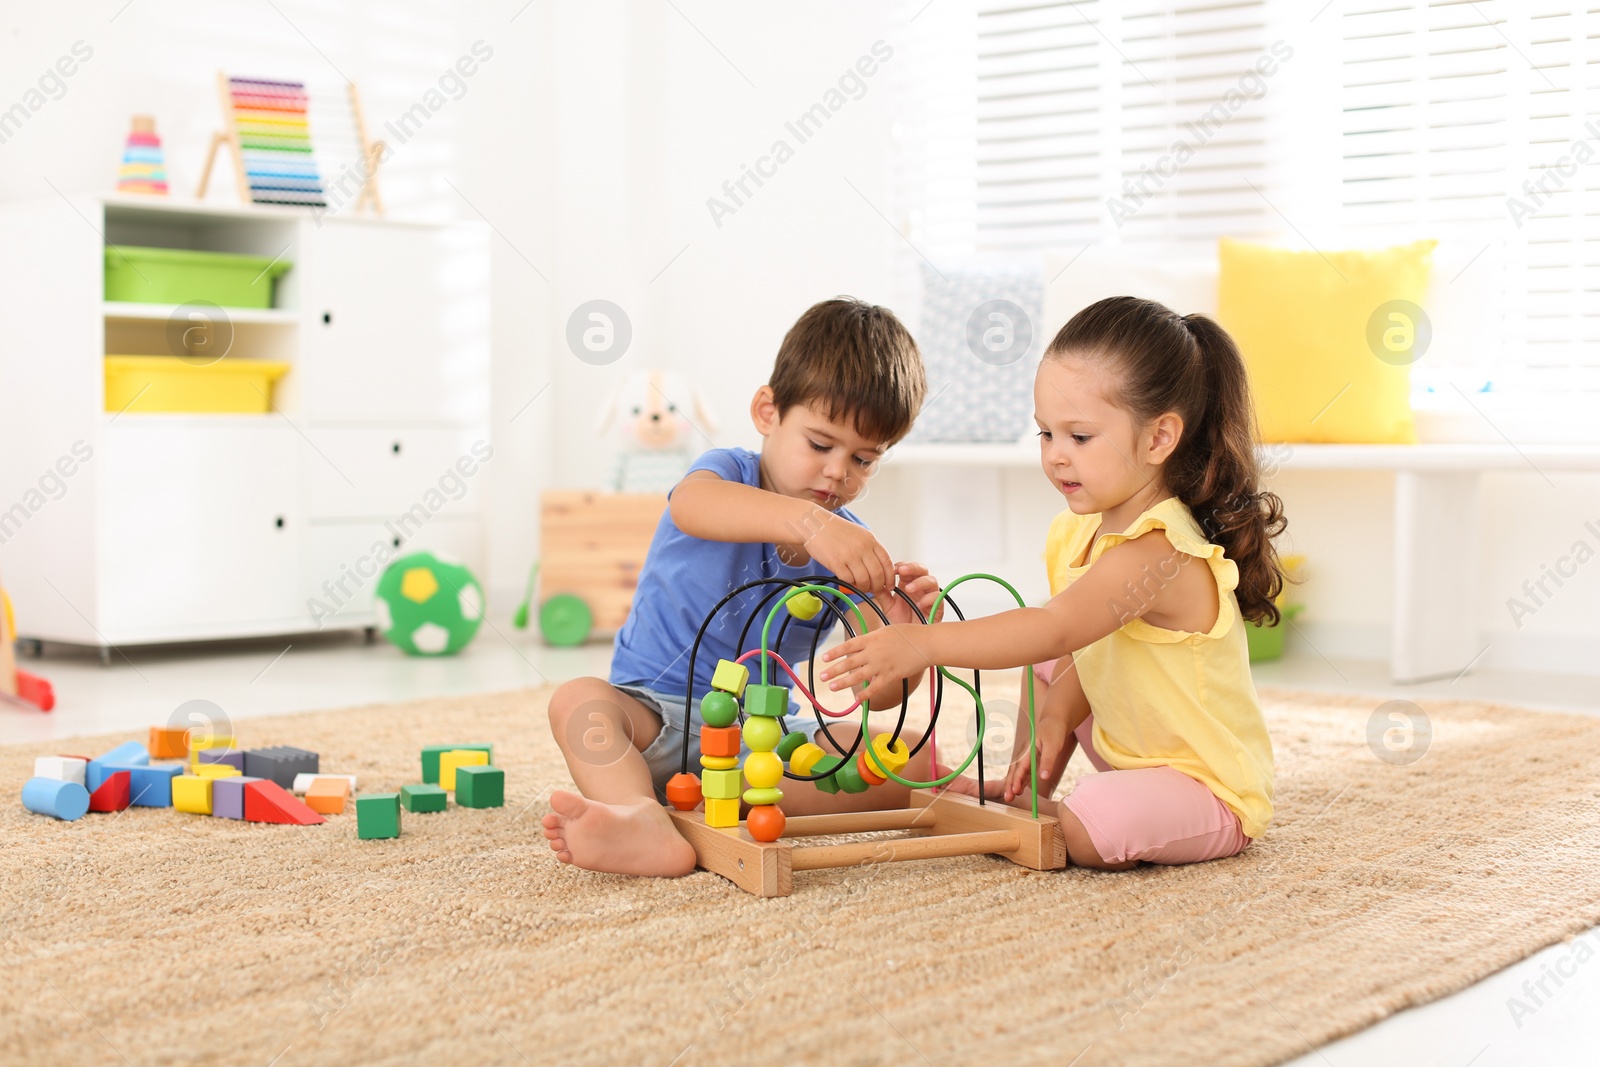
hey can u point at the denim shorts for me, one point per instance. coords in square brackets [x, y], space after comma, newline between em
[665, 754]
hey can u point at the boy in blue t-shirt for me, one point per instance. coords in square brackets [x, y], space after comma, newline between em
[847, 383]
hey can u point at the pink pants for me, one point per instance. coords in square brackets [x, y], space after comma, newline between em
[1153, 814]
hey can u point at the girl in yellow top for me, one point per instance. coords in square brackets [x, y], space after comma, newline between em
[1146, 427]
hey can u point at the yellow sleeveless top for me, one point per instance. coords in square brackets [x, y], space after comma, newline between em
[1173, 698]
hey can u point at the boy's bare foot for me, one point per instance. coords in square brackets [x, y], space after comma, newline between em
[619, 838]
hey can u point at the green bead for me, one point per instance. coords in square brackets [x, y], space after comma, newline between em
[719, 709]
[829, 784]
[757, 797]
[720, 785]
[767, 701]
[480, 787]
[762, 734]
[850, 779]
[791, 741]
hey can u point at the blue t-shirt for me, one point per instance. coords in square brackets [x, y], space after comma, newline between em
[684, 577]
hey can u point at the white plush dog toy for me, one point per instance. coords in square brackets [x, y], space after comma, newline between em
[655, 440]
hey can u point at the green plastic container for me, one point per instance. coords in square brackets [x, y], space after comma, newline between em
[180, 275]
[1266, 642]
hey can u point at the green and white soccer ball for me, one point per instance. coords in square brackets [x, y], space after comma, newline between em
[427, 605]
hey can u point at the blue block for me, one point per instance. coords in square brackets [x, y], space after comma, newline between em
[150, 786]
[50, 796]
[128, 754]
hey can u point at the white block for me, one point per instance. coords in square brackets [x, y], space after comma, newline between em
[302, 782]
[61, 768]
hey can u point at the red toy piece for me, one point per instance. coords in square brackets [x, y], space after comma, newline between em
[765, 822]
[267, 801]
[683, 792]
[114, 794]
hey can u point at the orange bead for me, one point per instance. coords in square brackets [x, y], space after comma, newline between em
[869, 773]
[719, 740]
[683, 791]
[765, 823]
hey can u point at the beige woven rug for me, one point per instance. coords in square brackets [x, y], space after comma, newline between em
[155, 937]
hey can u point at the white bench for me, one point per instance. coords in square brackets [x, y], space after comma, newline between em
[1437, 541]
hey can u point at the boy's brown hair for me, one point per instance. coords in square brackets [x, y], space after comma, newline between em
[846, 357]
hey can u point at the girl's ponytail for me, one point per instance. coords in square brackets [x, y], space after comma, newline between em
[1189, 365]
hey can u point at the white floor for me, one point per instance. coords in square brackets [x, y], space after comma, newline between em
[1477, 1026]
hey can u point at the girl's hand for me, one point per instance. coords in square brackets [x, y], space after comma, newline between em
[917, 584]
[885, 655]
[1055, 748]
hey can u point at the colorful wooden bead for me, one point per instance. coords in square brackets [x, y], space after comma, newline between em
[763, 770]
[757, 797]
[767, 701]
[719, 709]
[891, 755]
[722, 813]
[791, 741]
[804, 606]
[761, 733]
[720, 785]
[719, 740]
[849, 777]
[730, 677]
[828, 783]
[683, 792]
[765, 823]
[719, 763]
[868, 772]
[805, 758]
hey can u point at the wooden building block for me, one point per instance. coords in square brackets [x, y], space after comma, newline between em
[418, 799]
[302, 782]
[215, 770]
[377, 816]
[127, 754]
[62, 768]
[114, 794]
[167, 742]
[267, 801]
[192, 793]
[458, 757]
[480, 787]
[227, 796]
[327, 796]
[722, 813]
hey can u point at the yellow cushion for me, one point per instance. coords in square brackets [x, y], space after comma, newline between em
[1327, 346]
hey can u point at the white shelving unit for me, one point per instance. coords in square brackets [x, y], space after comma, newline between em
[180, 527]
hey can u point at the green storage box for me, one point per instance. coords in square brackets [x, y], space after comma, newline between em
[1266, 642]
[180, 275]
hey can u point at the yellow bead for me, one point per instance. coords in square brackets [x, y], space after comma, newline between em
[763, 770]
[890, 757]
[730, 677]
[805, 757]
[719, 763]
[722, 813]
[759, 797]
[762, 734]
[804, 606]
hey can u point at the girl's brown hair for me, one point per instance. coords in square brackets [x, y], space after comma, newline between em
[1187, 364]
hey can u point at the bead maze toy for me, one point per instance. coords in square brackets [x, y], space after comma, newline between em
[756, 853]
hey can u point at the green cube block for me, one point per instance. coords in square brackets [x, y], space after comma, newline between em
[423, 798]
[431, 754]
[768, 701]
[378, 815]
[830, 784]
[720, 785]
[480, 787]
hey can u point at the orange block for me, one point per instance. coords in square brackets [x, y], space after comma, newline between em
[719, 740]
[327, 795]
[168, 743]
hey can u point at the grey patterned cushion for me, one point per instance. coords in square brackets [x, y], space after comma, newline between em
[981, 335]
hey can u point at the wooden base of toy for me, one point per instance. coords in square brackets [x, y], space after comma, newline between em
[943, 824]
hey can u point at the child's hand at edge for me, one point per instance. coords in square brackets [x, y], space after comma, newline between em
[916, 583]
[1054, 752]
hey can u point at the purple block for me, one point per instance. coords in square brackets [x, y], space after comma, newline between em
[233, 757]
[227, 796]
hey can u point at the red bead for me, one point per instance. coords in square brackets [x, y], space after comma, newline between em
[765, 823]
[683, 791]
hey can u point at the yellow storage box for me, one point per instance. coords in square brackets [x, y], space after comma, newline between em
[170, 383]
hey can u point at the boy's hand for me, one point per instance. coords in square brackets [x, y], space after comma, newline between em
[851, 553]
[885, 655]
[916, 583]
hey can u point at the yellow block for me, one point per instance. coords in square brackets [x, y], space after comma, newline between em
[722, 813]
[458, 757]
[192, 793]
[198, 741]
[730, 677]
[215, 770]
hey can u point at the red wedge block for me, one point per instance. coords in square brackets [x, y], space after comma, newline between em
[267, 801]
[114, 794]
